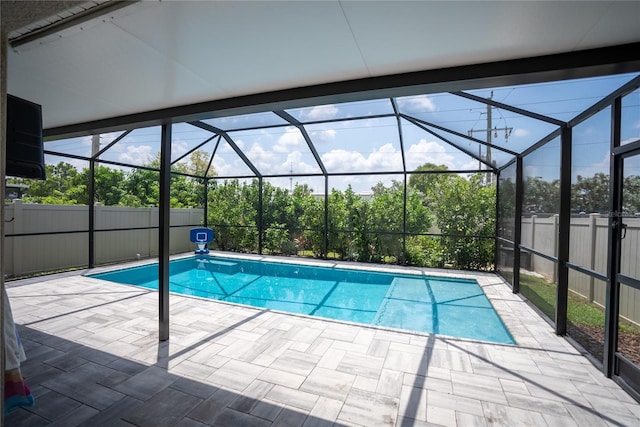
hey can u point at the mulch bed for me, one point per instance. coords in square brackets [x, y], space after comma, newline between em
[592, 339]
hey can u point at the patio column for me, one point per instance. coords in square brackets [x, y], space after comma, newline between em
[163, 233]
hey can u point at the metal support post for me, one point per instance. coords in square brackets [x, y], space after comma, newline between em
[612, 302]
[91, 189]
[260, 214]
[517, 232]
[496, 226]
[163, 232]
[205, 197]
[564, 224]
[325, 238]
[91, 207]
[404, 221]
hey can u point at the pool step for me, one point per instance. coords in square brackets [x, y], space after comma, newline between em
[409, 289]
[226, 267]
[403, 290]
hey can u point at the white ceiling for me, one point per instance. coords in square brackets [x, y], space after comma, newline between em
[154, 55]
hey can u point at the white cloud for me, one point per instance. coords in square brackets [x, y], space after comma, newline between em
[428, 152]
[178, 148]
[320, 136]
[388, 158]
[520, 132]
[225, 148]
[221, 166]
[531, 171]
[106, 138]
[263, 160]
[343, 160]
[417, 104]
[471, 165]
[137, 155]
[294, 161]
[290, 139]
[230, 167]
[600, 167]
[384, 159]
[321, 112]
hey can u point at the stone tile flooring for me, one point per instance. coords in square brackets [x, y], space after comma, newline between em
[95, 360]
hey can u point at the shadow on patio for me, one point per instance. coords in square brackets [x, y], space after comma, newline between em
[94, 359]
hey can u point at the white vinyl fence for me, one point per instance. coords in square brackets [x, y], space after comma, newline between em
[32, 254]
[587, 248]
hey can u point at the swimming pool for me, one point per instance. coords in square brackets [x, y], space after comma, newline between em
[454, 307]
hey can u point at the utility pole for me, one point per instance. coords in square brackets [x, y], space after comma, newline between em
[95, 144]
[291, 178]
[491, 131]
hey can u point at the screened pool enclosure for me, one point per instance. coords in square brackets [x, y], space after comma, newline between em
[538, 182]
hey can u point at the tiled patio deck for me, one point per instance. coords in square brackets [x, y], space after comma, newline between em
[95, 360]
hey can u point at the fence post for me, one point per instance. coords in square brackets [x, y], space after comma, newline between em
[153, 213]
[532, 257]
[555, 245]
[18, 223]
[592, 252]
[98, 224]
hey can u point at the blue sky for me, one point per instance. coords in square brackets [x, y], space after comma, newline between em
[373, 144]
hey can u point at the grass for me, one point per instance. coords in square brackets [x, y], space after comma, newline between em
[579, 311]
[336, 256]
[307, 253]
[42, 273]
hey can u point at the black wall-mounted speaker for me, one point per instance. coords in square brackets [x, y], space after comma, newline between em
[25, 151]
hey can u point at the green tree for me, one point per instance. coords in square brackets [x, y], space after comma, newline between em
[108, 186]
[185, 191]
[466, 210]
[142, 188]
[590, 194]
[462, 208]
[199, 164]
[429, 183]
[276, 221]
[631, 196]
[54, 189]
[386, 218]
[541, 196]
[506, 208]
[232, 212]
[340, 240]
[304, 221]
[312, 218]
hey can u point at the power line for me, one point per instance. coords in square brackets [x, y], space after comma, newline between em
[490, 130]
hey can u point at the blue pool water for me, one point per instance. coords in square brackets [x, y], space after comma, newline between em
[455, 307]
